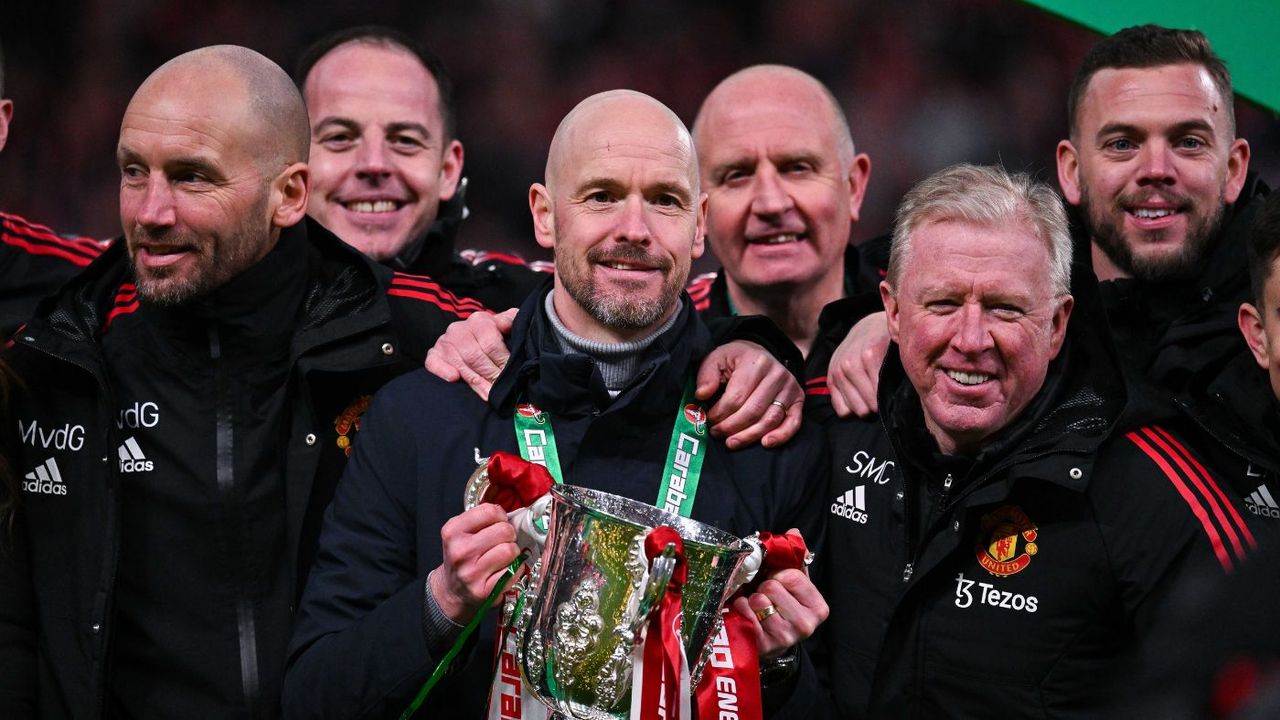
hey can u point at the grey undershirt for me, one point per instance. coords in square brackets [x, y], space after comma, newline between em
[617, 362]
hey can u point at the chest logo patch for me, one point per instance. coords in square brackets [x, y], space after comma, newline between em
[348, 422]
[1006, 541]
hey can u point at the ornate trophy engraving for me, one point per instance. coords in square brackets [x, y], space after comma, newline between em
[595, 591]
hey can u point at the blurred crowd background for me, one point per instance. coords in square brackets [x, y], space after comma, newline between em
[926, 83]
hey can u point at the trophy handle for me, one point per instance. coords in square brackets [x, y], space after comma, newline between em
[660, 570]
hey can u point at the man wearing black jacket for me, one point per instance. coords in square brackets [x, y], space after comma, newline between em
[999, 538]
[190, 400]
[606, 355]
[386, 162]
[1160, 183]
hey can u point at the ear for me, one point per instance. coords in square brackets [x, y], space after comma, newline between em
[1255, 332]
[6, 114]
[450, 169]
[1061, 314]
[890, 309]
[544, 216]
[700, 239]
[289, 193]
[1237, 169]
[859, 175]
[1069, 172]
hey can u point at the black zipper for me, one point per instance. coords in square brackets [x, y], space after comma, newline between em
[224, 431]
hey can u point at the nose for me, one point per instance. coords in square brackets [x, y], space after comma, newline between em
[156, 208]
[372, 161]
[633, 224]
[1156, 166]
[769, 196]
[973, 335]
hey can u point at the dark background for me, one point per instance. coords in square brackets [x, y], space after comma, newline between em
[925, 83]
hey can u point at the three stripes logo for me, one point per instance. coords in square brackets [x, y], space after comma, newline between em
[852, 505]
[45, 479]
[1224, 527]
[1260, 502]
[131, 458]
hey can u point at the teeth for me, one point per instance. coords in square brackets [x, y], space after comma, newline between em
[965, 378]
[779, 239]
[365, 206]
[622, 266]
[1151, 214]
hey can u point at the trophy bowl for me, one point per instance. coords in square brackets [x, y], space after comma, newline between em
[595, 589]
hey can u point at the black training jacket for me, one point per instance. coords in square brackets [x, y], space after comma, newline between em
[1013, 583]
[34, 262]
[359, 650]
[358, 327]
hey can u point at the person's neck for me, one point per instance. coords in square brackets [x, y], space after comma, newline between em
[617, 361]
[793, 309]
[579, 322]
[1103, 268]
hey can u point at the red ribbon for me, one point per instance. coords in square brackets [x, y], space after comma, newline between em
[662, 644]
[514, 482]
[732, 675]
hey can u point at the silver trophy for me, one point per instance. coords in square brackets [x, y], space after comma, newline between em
[593, 589]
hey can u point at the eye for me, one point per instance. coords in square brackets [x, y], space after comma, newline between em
[667, 200]
[1122, 145]
[944, 305]
[734, 176]
[132, 172]
[600, 196]
[1191, 143]
[337, 141]
[797, 167]
[405, 143]
[1006, 311]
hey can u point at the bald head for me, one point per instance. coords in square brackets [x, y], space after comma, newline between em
[248, 86]
[778, 84]
[614, 111]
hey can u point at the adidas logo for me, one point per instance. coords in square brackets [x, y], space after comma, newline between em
[1261, 503]
[45, 479]
[852, 505]
[131, 458]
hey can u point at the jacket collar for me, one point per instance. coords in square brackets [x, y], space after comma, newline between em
[342, 295]
[569, 385]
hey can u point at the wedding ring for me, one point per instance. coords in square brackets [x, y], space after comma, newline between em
[779, 403]
[765, 612]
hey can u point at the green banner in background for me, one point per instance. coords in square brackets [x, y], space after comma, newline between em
[1245, 33]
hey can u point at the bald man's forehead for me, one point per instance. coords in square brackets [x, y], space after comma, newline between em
[629, 125]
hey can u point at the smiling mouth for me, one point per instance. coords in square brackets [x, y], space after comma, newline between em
[373, 206]
[624, 265]
[781, 239]
[968, 378]
[1152, 213]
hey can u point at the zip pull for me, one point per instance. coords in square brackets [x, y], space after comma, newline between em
[946, 492]
[906, 572]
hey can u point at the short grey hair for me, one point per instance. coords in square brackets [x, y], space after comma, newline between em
[986, 195]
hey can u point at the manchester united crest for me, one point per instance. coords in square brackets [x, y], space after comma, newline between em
[1006, 541]
[348, 422]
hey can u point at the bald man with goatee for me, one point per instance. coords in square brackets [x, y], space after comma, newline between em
[605, 356]
[190, 399]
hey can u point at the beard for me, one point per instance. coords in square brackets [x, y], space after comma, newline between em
[615, 308]
[215, 260]
[1183, 264]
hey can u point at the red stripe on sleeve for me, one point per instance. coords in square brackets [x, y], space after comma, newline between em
[1188, 497]
[1213, 484]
